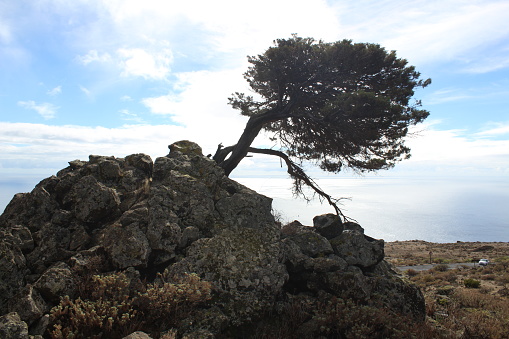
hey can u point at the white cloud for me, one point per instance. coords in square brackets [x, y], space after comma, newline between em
[139, 62]
[94, 56]
[5, 33]
[22, 144]
[55, 91]
[456, 152]
[495, 130]
[427, 31]
[129, 116]
[200, 105]
[446, 95]
[45, 109]
[86, 91]
[488, 64]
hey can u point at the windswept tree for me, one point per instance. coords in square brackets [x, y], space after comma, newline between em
[337, 105]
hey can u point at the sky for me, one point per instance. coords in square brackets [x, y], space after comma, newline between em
[117, 77]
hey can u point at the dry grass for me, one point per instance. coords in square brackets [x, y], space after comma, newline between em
[455, 302]
[416, 252]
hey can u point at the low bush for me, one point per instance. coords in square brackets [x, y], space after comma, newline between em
[115, 306]
[471, 283]
[441, 268]
[411, 272]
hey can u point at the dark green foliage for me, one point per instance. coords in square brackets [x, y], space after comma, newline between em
[339, 104]
[472, 283]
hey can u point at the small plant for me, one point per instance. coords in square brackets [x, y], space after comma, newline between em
[113, 307]
[471, 283]
[441, 268]
[411, 272]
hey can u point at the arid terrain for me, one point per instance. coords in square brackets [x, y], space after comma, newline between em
[416, 252]
[461, 301]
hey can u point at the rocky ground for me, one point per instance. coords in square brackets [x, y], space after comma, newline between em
[415, 252]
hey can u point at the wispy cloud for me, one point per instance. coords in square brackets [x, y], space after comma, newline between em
[447, 95]
[55, 91]
[495, 129]
[86, 91]
[5, 33]
[93, 56]
[129, 116]
[45, 109]
[488, 64]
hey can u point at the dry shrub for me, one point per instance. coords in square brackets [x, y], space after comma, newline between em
[169, 302]
[115, 308]
[107, 314]
[503, 279]
[448, 276]
[440, 268]
[489, 277]
[411, 272]
[468, 298]
[480, 324]
[345, 319]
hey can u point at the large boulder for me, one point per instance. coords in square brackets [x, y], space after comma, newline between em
[358, 249]
[162, 220]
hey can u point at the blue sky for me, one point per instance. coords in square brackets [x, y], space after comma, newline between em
[117, 77]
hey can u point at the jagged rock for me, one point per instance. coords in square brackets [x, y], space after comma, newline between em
[138, 335]
[312, 244]
[328, 225]
[189, 235]
[353, 226]
[29, 304]
[244, 265]
[52, 246]
[292, 228]
[57, 281]
[178, 215]
[186, 147]
[358, 249]
[20, 236]
[126, 246]
[12, 327]
[140, 161]
[93, 201]
[39, 328]
[12, 269]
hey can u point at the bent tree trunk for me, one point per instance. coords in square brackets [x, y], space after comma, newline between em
[240, 150]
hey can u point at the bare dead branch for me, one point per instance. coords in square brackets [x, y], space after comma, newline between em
[299, 176]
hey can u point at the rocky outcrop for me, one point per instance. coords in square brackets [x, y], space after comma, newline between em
[179, 215]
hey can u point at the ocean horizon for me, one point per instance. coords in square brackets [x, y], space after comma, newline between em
[440, 210]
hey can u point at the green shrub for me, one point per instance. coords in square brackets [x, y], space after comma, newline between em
[471, 283]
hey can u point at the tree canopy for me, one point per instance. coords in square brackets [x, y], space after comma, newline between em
[338, 105]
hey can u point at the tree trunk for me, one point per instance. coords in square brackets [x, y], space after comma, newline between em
[240, 150]
[253, 127]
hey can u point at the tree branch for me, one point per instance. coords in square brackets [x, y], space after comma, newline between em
[298, 174]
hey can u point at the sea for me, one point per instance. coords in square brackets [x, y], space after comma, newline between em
[433, 209]
[443, 210]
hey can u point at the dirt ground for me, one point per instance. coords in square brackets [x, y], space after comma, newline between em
[415, 252]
